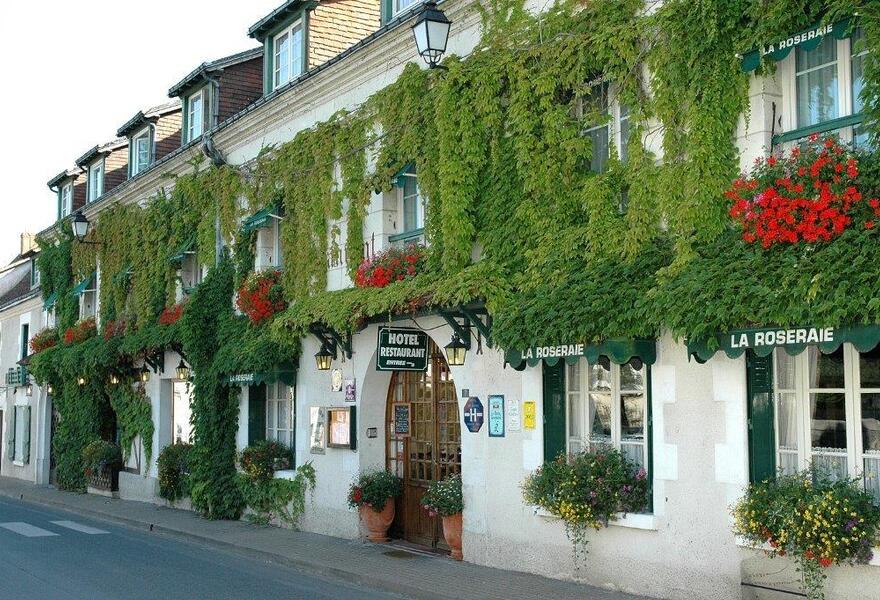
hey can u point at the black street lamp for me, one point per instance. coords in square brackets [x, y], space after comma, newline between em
[144, 374]
[456, 351]
[80, 225]
[431, 31]
[324, 358]
[182, 371]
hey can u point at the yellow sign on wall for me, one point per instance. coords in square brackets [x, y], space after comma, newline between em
[529, 411]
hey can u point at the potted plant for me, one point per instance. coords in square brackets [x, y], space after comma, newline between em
[390, 266]
[373, 494]
[101, 463]
[444, 498]
[261, 296]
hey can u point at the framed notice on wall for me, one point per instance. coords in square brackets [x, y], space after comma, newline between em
[341, 427]
[401, 415]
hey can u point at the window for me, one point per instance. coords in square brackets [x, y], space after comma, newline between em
[607, 405]
[279, 413]
[181, 414]
[88, 301]
[400, 5]
[21, 433]
[49, 316]
[608, 124]
[190, 272]
[288, 55]
[141, 152]
[35, 274]
[96, 181]
[828, 413]
[25, 339]
[66, 200]
[410, 220]
[824, 88]
[268, 254]
[195, 115]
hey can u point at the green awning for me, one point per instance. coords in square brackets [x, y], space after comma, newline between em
[83, 285]
[49, 302]
[260, 219]
[808, 40]
[793, 339]
[180, 253]
[617, 351]
[285, 373]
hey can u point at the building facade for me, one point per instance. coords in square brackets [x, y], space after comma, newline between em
[702, 424]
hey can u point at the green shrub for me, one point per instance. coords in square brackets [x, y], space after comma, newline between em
[99, 454]
[261, 459]
[174, 471]
[282, 498]
[373, 489]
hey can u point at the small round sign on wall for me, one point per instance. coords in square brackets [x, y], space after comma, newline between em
[473, 414]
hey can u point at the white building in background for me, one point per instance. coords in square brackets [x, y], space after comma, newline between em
[25, 408]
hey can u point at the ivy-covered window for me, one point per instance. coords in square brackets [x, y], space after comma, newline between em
[88, 300]
[288, 55]
[279, 413]
[607, 125]
[607, 405]
[410, 222]
[822, 86]
[96, 180]
[269, 246]
[189, 274]
[827, 413]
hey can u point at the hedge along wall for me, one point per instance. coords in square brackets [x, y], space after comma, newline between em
[497, 142]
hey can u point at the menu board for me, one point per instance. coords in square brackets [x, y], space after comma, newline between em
[401, 415]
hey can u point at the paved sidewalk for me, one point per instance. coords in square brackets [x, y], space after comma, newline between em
[377, 566]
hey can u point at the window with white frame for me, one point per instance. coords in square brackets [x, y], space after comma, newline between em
[66, 199]
[190, 272]
[607, 405]
[608, 125]
[195, 114]
[401, 5]
[88, 301]
[96, 180]
[49, 316]
[828, 413]
[35, 274]
[823, 85]
[269, 246]
[288, 55]
[141, 151]
[279, 413]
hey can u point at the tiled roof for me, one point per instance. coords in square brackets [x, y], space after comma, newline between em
[217, 65]
[63, 175]
[141, 119]
[97, 151]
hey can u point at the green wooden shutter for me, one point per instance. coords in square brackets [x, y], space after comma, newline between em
[10, 437]
[762, 439]
[554, 411]
[26, 433]
[256, 413]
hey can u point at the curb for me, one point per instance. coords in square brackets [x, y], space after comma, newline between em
[313, 568]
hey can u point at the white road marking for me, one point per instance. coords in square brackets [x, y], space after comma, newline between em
[26, 530]
[80, 527]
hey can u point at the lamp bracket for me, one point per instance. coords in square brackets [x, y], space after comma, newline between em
[484, 327]
[462, 331]
[332, 339]
[156, 362]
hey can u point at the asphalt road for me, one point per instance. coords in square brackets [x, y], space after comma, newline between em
[48, 554]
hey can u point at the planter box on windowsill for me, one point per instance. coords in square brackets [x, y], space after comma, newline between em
[644, 521]
[765, 547]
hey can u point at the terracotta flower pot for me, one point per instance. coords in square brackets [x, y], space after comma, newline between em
[452, 533]
[377, 523]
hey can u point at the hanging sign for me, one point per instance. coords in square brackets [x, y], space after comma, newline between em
[496, 416]
[402, 350]
[401, 413]
[514, 423]
[350, 390]
[808, 40]
[529, 414]
[336, 380]
[473, 414]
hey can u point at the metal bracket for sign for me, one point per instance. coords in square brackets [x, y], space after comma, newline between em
[332, 340]
[485, 328]
[463, 332]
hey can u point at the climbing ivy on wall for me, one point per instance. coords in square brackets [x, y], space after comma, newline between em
[134, 418]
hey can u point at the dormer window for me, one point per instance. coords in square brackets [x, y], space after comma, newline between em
[66, 202]
[402, 5]
[35, 274]
[288, 55]
[141, 151]
[195, 114]
[96, 180]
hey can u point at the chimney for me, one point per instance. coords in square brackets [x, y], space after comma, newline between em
[28, 242]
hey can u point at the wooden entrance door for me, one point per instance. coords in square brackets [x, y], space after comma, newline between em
[430, 453]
